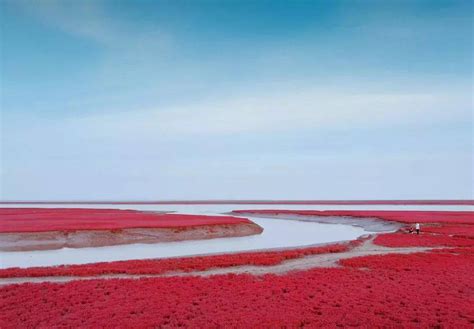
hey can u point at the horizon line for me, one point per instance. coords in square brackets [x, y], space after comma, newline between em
[246, 201]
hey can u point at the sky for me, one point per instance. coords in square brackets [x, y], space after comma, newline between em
[163, 100]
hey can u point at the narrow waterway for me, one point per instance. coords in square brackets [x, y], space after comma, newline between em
[278, 233]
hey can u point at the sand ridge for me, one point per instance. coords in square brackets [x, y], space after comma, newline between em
[367, 248]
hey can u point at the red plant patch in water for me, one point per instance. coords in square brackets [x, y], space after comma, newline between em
[71, 219]
[394, 291]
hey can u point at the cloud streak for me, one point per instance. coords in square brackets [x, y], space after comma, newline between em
[156, 99]
[315, 108]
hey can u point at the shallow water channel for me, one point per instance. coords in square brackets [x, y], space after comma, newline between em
[278, 233]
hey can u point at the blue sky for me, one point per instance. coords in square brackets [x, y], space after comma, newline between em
[236, 99]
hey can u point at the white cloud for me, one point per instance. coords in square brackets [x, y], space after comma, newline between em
[147, 153]
[294, 110]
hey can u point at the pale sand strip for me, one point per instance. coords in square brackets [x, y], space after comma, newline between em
[299, 264]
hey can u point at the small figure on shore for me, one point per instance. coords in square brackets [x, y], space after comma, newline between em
[417, 228]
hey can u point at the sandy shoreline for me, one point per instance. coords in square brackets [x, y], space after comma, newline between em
[30, 229]
[367, 223]
[30, 241]
[325, 260]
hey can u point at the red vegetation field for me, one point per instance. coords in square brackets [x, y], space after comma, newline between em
[405, 216]
[64, 219]
[432, 290]
[420, 290]
[424, 240]
[455, 230]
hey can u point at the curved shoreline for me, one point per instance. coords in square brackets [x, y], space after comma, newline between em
[277, 235]
[32, 229]
[371, 224]
[323, 260]
[400, 216]
[32, 241]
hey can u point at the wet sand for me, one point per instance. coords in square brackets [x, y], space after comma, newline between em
[30, 241]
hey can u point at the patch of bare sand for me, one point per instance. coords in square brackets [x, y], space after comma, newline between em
[27, 241]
